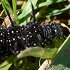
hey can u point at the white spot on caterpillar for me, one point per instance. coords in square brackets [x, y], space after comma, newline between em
[28, 44]
[42, 43]
[13, 51]
[8, 33]
[10, 44]
[12, 32]
[1, 28]
[17, 31]
[23, 38]
[1, 40]
[34, 44]
[22, 28]
[27, 35]
[55, 30]
[17, 52]
[13, 39]
[1, 34]
[35, 31]
[29, 32]
[34, 27]
[28, 38]
[9, 40]
[18, 37]
[45, 40]
[31, 36]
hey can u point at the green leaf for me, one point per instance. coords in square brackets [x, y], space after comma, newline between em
[5, 65]
[49, 53]
[29, 51]
[38, 52]
[63, 56]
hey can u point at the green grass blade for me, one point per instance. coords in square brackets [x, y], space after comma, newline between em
[7, 6]
[14, 3]
[5, 65]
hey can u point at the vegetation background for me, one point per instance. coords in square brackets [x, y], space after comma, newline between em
[46, 11]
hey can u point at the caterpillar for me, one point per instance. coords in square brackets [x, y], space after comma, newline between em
[17, 38]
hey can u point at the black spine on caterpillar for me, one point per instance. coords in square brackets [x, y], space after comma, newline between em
[12, 23]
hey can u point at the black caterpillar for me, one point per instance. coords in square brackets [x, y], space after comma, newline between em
[16, 38]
